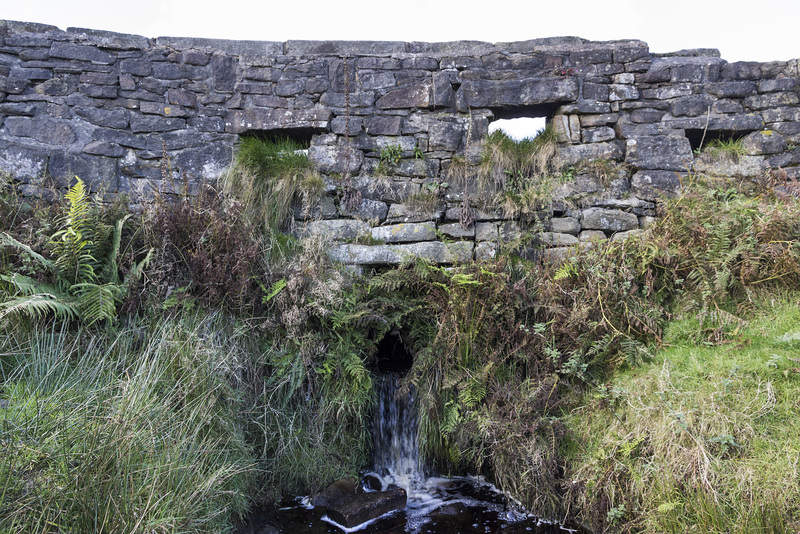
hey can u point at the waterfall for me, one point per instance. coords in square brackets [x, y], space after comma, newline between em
[396, 452]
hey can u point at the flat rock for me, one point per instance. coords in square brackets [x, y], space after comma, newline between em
[405, 232]
[358, 509]
[343, 488]
[609, 220]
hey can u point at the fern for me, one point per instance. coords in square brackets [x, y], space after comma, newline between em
[84, 281]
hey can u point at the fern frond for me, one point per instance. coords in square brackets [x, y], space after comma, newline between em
[97, 302]
[40, 305]
[7, 240]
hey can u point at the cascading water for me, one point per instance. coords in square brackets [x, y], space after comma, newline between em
[435, 505]
[394, 429]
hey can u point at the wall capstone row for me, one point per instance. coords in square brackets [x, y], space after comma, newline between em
[107, 106]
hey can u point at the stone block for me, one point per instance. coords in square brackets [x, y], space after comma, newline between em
[155, 123]
[334, 229]
[779, 84]
[81, 53]
[368, 210]
[665, 153]
[240, 121]
[412, 96]
[563, 225]
[572, 155]
[405, 232]
[102, 148]
[523, 92]
[591, 235]
[43, 130]
[771, 100]
[555, 239]
[597, 135]
[608, 220]
[485, 251]
[763, 142]
[401, 213]
[384, 125]
[456, 231]
[619, 92]
[654, 184]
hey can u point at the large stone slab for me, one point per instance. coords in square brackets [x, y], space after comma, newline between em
[357, 509]
[242, 120]
[405, 232]
[433, 251]
[334, 229]
[664, 153]
[525, 92]
[608, 220]
[651, 185]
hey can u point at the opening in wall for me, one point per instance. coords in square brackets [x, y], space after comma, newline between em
[300, 136]
[698, 141]
[521, 123]
[392, 355]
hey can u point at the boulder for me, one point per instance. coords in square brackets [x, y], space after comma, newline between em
[608, 220]
[343, 488]
[357, 509]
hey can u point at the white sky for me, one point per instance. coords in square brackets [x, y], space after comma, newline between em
[742, 30]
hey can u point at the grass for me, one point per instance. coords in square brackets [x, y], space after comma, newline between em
[269, 176]
[703, 438]
[725, 148]
[139, 432]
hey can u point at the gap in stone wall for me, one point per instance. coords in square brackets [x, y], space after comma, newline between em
[301, 136]
[522, 122]
[696, 138]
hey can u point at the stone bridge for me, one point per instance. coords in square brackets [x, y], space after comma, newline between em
[108, 106]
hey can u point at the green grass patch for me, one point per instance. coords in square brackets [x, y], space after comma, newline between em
[704, 438]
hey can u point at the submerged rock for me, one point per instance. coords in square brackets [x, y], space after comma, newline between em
[357, 509]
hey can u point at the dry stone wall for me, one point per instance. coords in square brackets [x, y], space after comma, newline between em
[108, 107]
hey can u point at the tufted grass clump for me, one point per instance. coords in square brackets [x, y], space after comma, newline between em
[270, 176]
[136, 432]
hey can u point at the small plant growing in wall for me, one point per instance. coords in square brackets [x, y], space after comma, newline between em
[390, 156]
[269, 176]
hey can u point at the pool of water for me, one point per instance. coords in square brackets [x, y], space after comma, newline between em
[459, 505]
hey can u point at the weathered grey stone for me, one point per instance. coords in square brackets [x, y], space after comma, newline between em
[763, 142]
[240, 121]
[384, 125]
[742, 166]
[368, 210]
[618, 92]
[591, 235]
[485, 251]
[57, 86]
[597, 135]
[608, 220]
[412, 96]
[325, 208]
[102, 148]
[335, 159]
[654, 184]
[739, 122]
[771, 100]
[152, 123]
[563, 225]
[405, 232]
[571, 155]
[779, 84]
[334, 229]
[81, 52]
[43, 130]
[621, 236]
[666, 153]
[525, 92]
[204, 163]
[555, 239]
[456, 231]
[401, 213]
[433, 251]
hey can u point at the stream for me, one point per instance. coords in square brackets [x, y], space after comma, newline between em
[435, 505]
